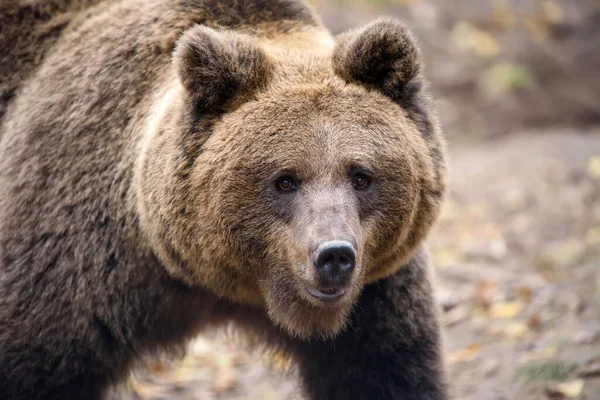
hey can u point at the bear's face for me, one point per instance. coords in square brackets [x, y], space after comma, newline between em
[302, 189]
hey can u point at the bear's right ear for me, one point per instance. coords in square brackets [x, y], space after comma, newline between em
[219, 69]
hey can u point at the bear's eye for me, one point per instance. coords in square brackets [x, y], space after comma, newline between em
[286, 183]
[360, 181]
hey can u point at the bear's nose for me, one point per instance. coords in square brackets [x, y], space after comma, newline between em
[334, 260]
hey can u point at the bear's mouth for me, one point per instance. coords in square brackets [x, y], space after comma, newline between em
[328, 295]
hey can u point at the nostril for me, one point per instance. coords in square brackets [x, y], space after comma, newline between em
[326, 262]
[328, 259]
[346, 262]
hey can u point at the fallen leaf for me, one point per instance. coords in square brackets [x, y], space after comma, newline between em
[552, 12]
[515, 330]
[484, 44]
[485, 292]
[534, 321]
[464, 355]
[538, 27]
[593, 235]
[466, 36]
[444, 258]
[525, 293]
[594, 167]
[570, 389]
[505, 310]
[502, 16]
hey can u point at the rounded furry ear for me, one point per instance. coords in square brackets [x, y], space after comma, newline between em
[220, 69]
[382, 54]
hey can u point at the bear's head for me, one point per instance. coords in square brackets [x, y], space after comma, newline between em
[290, 179]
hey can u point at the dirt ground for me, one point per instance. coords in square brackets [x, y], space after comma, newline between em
[517, 255]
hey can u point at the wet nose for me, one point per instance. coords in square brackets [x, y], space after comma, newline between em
[334, 261]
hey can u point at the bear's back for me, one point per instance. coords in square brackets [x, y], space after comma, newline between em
[30, 28]
[27, 30]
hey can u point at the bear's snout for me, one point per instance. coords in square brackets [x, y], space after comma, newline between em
[334, 262]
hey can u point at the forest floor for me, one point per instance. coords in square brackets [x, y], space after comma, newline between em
[517, 257]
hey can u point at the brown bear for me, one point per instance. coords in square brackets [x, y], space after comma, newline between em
[172, 165]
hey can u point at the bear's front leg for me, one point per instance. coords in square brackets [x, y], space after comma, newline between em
[390, 349]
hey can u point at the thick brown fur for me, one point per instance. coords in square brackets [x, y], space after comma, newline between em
[140, 146]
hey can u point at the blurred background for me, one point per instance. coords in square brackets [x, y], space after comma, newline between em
[517, 249]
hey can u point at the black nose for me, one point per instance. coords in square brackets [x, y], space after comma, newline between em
[335, 260]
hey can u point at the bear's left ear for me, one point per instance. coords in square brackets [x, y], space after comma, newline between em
[382, 55]
[220, 69]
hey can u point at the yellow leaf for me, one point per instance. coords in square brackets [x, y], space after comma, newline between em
[506, 310]
[515, 330]
[502, 17]
[466, 36]
[464, 355]
[593, 235]
[570, 389]
[447, 257]
[485, 45]
[594, 167]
